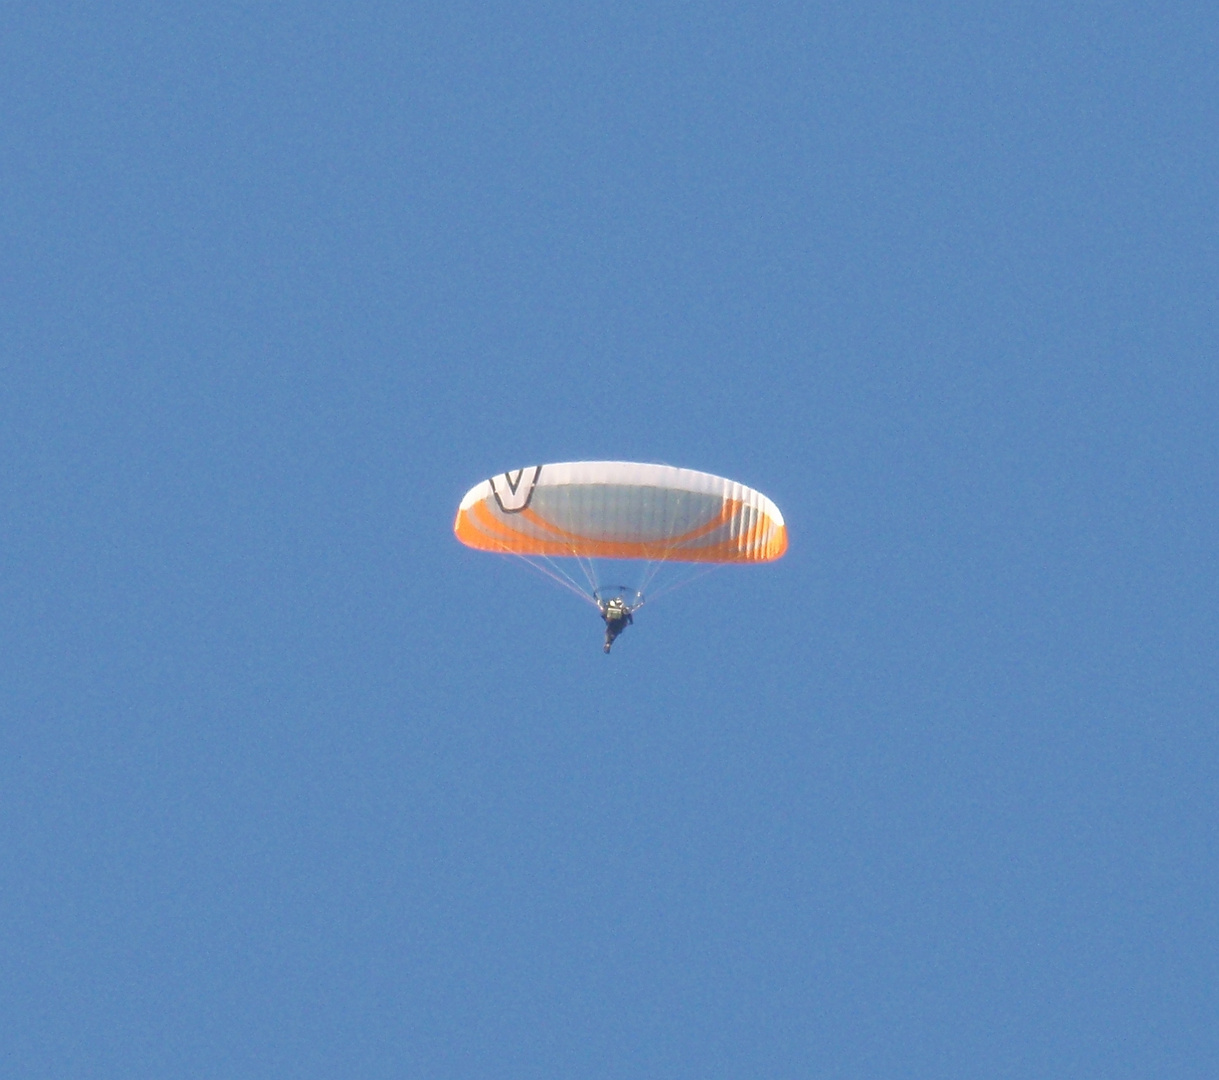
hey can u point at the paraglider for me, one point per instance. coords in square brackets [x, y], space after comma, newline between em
[617, 618]
[592, 511]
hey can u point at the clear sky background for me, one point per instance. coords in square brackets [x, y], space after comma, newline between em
[292, 784]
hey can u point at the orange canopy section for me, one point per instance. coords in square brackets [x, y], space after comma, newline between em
[621, 510]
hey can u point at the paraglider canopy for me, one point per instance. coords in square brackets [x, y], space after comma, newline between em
[621, 510]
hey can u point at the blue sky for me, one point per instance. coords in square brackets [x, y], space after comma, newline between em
[293, 784]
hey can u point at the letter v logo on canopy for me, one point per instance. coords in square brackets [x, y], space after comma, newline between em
[514, 490]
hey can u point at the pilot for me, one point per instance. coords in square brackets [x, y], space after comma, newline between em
[617, 617]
